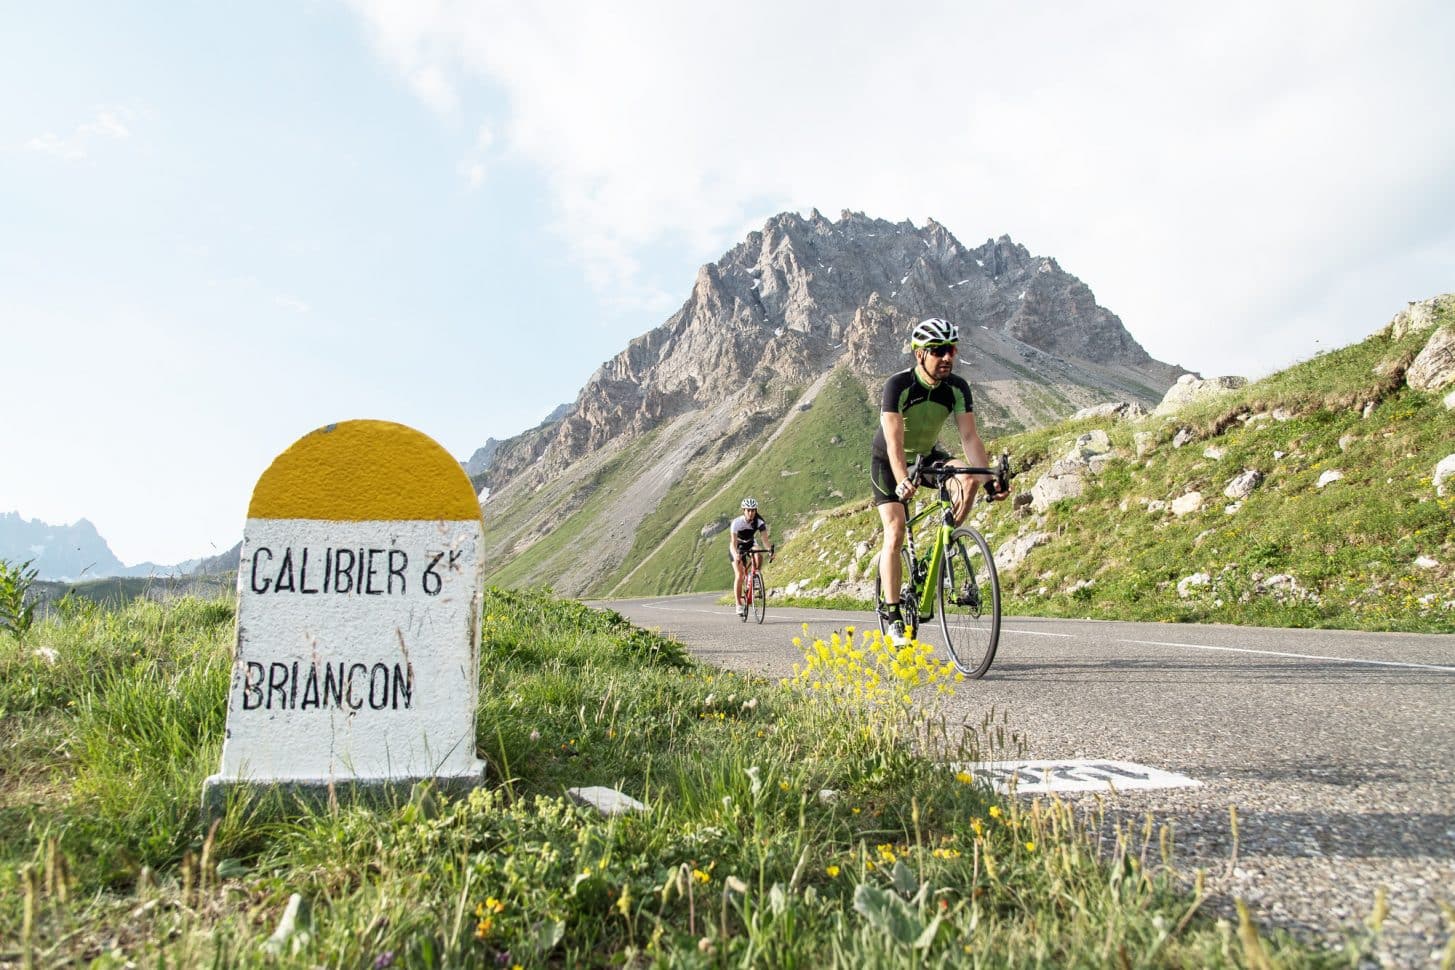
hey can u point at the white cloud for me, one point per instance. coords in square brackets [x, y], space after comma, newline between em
[472, 172]
[292, 303]
[1208, 171]
[472, 169]
[108, 124]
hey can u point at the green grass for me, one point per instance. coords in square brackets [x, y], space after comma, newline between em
[1351, 547]
[110, 719]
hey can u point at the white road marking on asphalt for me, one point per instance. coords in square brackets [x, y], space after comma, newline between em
[1079, 775]
[1037, 633]
[678, 609]
[1297, 656]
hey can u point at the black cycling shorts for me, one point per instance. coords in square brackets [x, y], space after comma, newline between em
[882, 481]
[881, 475]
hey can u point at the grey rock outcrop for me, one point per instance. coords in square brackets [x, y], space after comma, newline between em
[1012, 553]
[1187, 584]
[1066, 478]
[1052, 488]
[1242, 486]
[1434, 367]
[1190, 387]
[1444, 475]
[1419, 315]
[1187, 504]
[1121, 410]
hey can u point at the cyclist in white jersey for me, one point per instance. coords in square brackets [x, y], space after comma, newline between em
[742, 536]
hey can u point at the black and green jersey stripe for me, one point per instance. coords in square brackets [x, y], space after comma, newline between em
[925, 409]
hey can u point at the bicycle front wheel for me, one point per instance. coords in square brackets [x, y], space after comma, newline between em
[969, 601]
[760, 597]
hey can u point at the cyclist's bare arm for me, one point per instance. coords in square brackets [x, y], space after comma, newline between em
[893, 424]
[975, 456]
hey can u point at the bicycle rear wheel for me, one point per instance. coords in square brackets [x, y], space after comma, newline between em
[760, 597]
[969, 601]
[908, 603]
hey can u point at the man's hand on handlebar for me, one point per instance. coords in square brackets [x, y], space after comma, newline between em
[905, 489]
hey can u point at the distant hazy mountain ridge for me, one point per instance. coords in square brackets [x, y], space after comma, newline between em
[62, 551]
[690, 404]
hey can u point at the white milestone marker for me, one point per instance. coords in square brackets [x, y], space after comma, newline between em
[359, 595]
[1084, 775]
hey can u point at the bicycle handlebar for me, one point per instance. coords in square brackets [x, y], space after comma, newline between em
[935, 472]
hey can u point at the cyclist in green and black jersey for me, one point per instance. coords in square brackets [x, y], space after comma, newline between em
[913, 409]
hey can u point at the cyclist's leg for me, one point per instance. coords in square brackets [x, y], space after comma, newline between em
[969, 488]
[738, 571]
[891, 515]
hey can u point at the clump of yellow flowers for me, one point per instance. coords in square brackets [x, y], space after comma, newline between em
[870, 667]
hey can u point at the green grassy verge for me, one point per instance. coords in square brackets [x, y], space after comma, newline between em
[110, 719]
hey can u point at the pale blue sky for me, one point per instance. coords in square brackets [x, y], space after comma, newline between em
[225, 224]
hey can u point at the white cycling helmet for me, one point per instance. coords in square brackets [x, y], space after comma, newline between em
[933, 331]
[750, 503]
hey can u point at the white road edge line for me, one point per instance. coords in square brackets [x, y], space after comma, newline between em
[1297, 656]
[1036, 633]
[678, 609]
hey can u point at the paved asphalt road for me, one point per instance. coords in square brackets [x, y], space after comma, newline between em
[1337, 748]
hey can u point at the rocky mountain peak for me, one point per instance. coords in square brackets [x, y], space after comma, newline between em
[805, 294]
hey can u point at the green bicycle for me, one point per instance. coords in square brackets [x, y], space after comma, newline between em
[956, 579]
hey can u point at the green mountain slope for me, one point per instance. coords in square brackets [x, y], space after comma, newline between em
[1373, 549]
[567, 517]
[818, 459]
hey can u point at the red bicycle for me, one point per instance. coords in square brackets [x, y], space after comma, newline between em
[755, 592]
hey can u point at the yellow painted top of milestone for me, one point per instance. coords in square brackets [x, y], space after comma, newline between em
[358, 471]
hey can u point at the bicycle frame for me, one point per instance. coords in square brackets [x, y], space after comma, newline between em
[924, 587]
[748, 575]
[752, 577]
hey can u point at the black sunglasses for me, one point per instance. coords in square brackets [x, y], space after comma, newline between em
[941, 350]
